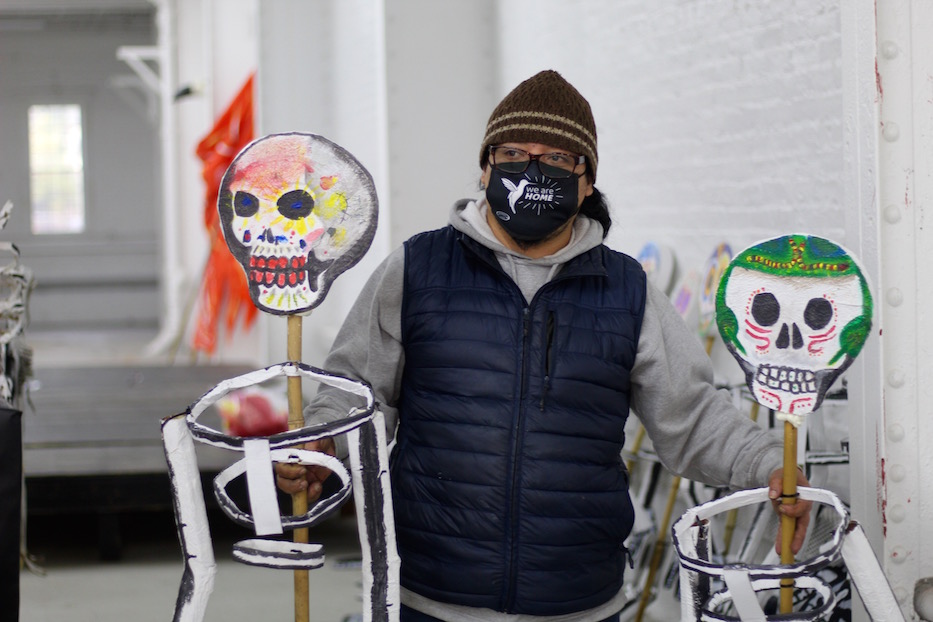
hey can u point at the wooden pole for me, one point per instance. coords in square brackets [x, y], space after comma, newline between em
[299, 499]
[788, 523]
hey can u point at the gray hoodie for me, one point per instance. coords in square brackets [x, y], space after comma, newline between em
[694, 428]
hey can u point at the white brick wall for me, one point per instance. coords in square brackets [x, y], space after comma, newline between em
[717, 121]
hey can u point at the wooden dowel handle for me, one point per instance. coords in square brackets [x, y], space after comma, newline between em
[788, 523]
[299, 499]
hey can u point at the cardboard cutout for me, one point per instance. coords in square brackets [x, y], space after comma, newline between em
[685, 297]
[297, 210]
[794, 311]
[715, 267]
[659, 265]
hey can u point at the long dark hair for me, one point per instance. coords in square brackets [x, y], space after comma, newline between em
[596, 207]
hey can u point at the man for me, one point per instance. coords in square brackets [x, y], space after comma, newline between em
[506, 351]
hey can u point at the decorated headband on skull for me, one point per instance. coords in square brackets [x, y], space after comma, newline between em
[795, 311]
[297, 210]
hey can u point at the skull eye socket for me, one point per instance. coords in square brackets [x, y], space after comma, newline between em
[818, 313]
[245, 204]
[765, 309]
[295, 204]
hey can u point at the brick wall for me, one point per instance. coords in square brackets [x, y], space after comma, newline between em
[718, 121]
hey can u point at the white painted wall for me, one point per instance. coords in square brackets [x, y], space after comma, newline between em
[217, 47]
[905, 194]
[441, 68]
[330, 83]
[717, 122]
[108, 274]
[413, 119]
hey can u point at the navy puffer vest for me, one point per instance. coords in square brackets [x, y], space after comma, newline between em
[509, 489]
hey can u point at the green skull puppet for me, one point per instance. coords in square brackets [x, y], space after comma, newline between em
[795, 311]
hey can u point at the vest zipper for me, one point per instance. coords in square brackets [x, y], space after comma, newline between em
[517, 430]
[548, 347]
[526, 330]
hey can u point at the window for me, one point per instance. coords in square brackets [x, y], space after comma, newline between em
[56, 169]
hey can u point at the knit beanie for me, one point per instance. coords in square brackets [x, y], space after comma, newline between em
[544, 109]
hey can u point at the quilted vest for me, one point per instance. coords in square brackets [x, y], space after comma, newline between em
[509, 489]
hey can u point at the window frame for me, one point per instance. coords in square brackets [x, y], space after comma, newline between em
[82, 109]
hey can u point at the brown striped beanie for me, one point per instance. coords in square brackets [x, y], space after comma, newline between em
[544, 109]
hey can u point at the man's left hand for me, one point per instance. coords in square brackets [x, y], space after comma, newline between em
[799, 510]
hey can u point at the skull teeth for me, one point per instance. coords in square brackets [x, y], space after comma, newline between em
[787, 379]
[278, 271]
[278, 278]
[272, 263]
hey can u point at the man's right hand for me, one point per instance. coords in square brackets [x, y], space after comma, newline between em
[292, 478]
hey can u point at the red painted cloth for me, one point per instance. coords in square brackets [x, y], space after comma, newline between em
[223, 279]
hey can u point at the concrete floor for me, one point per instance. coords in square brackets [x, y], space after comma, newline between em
[70, 580]
[142, 586]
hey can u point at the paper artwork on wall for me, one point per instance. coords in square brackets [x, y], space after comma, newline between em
[685, 298]
[712, 273]
[659, 265]
[297, 210]
[794, 311]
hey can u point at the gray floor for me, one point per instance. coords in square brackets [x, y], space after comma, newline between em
[143, 585]
[76, 586]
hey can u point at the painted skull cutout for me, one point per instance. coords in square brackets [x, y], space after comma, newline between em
[795, 311]
[297, 210]
[712, 273]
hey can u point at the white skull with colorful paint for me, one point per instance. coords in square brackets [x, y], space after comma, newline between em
[296, 210]
[794, 311]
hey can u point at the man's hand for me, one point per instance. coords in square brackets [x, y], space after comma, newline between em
[292, 478]
[799, 510]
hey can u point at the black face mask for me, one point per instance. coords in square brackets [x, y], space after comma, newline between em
[531, 206]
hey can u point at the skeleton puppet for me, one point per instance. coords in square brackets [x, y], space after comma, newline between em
[296, 210]
[794, 311]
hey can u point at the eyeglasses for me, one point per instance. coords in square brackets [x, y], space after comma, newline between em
[512, 160]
